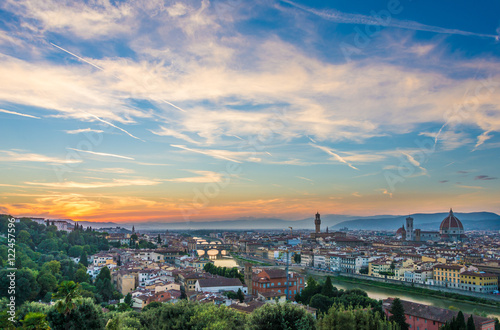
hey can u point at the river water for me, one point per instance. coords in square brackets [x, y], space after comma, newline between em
[383, 293]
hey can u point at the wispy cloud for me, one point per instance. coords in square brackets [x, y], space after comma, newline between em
[113, 125]
[232, 156]
[83, 130]
[385, 192]
[415, 163]
[114, 170]
[348, 18]
[21, 156]
[101, 154]
[163, 131]
[303, 178]
[18, 114]
[335, 156]
[203, 177]
[469, 187]
[485, 177]
[97, 184]
[482, 138]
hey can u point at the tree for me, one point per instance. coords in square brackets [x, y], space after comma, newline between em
[340, 317]
[210, 316]
[321, 302]
[470, 323]
[75, 251]
[27, 288]
[460, 321]
[240, 295]
[81, 276]
[35, 321]
[327, 288]
[128, 299]
[66, 294]
[85, 315]
[53, 267]
[84, 259]
[281, 316]
[47, 282]
[158, 240]
[398, 314]
[297, 258]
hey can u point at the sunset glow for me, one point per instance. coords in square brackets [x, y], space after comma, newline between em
[196, 111]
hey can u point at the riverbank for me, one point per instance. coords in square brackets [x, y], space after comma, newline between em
[422, 291]
[255, 262]
[379, 290]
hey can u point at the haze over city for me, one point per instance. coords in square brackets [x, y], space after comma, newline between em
[130, 111]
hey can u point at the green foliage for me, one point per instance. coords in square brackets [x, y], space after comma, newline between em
[209, 316]
[66, 294]
[85, 315]
[470, 323]
[81, 276]
[339, 317]
[312, 288]
[47, 283]
[128, 299]
[27, 288]
[42, 254]
[84, 259]
[321, 302]
[297, 258]
[398, 314]
[328, 289]
[240, 295]
[75, 251]
[281, 316]
[224, 271]
[168, 316]
[35, 321]
[458, 323]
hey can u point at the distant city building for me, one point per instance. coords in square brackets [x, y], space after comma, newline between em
[318, 234]
[420, 316]
[451, 229]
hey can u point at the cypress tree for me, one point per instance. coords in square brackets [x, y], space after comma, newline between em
[83, 259]
[398, 314]
[460, 321]
[470, 323]
[327, 288]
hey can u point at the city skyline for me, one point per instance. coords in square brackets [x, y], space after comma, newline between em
[114, 111]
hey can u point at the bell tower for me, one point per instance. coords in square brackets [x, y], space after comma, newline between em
[317, 223]
[409, 229]
[248, 277]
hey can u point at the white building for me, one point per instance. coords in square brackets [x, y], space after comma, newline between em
[219, 284]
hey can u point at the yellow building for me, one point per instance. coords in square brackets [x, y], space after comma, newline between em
[478, 281]
[447, 275]
[377, 267]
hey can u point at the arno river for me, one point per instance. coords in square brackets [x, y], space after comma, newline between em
[382, 293]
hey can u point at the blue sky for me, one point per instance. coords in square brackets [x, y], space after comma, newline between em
[171, 111]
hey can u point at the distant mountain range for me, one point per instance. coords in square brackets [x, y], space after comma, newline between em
[424, 221]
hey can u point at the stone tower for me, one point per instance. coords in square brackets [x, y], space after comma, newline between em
[317, 223]
[409, 229]
[248, 277]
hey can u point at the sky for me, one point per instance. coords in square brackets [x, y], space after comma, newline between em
[195, 110]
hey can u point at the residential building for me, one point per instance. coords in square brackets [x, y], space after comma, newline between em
[421, 317]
